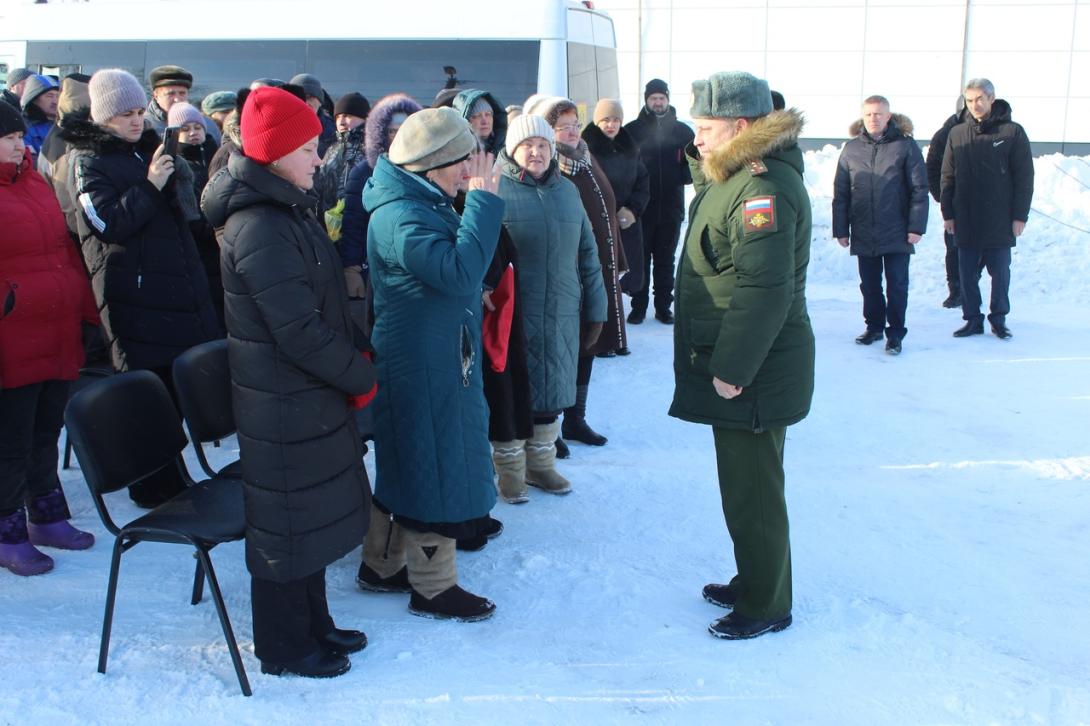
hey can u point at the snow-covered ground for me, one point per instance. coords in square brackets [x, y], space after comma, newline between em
[940, 504]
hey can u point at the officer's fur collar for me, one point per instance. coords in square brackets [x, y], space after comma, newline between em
[767, 134]
[904, 123]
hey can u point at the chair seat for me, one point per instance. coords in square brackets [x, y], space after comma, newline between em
[231, 471]
[211, 511]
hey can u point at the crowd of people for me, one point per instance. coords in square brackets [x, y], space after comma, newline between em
[441, 281]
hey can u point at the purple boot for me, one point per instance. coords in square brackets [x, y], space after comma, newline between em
[49, 525]
[16, 552]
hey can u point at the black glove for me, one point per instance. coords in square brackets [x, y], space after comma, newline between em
[590, 334]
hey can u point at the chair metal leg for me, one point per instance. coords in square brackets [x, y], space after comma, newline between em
[228, 633]
[67, 453]
[198, 584]
[111, 594]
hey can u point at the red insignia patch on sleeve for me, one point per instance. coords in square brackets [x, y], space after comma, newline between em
[759, 214]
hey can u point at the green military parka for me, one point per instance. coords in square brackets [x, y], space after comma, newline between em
[741, 286]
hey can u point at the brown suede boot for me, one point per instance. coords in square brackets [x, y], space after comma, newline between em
[510, 460]
[384, 561]
[541, 460]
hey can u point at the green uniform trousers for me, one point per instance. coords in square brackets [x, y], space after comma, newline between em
[751, 483]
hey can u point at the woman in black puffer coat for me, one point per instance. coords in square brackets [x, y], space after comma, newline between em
[619, 157]
[296, 373]
[136, 206]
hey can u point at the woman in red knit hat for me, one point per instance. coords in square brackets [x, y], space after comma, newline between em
[296, 373]
[44, 285]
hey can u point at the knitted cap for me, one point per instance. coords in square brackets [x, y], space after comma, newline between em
[608, 108]
[114, 91]
[276, 123]
[353, 104]
[219, 101]
[17, 75]
[170, 76]
[181, 114]
[656, 85]
[10, 120]
[731, 94]
[432, 138]
[480, 106]
[74, 95]
[527, 126]
[36, 86]
[309, 83]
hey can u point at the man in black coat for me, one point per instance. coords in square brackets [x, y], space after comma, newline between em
[935, 153]
[880, 209]
[662, 140]
[986, 191]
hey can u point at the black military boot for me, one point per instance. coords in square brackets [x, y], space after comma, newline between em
[664, 316]
[972, 327]
[342, 642]
[319, 664]
[722, 595]
[893, 346]
[739, 627]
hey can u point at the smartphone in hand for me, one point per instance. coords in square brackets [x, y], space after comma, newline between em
[170, 141]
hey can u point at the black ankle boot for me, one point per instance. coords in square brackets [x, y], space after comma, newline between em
[319, 664]
[575, 427]
[342, 642]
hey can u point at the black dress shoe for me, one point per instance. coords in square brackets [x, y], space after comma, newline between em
[369, 580]
[664, 316]
[636, 316]
[562, 450]
[607, 354]
[319, 664]
[739, 627]
[953, 301]
[869, 337]
[722, 595]
[624, 351]
[893, 346]
[1001, 331]
[973, 327]
[343, 642]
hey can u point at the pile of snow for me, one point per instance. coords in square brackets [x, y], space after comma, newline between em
[1050, 261]
[940, 505]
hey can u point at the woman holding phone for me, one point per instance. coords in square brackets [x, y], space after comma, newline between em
[136, 205]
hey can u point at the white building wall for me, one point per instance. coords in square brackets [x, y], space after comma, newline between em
[825, 56]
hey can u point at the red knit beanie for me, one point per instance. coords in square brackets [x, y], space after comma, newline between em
[276, 123]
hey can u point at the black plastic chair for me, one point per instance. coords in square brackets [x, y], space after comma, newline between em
[124, 429]
[202, 381]
[87, 376]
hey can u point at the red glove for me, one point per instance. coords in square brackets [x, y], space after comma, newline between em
[358, 402]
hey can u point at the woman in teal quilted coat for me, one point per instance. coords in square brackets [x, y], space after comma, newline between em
[432, 456]
[562, 293]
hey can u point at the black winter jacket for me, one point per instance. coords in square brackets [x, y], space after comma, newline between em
[293, 365]
[937, 150]
[149, 285]
[987, 179]
[880, 190]
[662, 143]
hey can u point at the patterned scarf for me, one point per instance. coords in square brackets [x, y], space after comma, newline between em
[573, 160]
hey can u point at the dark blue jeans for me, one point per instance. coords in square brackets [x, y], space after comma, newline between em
[885, 309]
[972, 261]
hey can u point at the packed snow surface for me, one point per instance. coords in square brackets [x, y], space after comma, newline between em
[940, 511]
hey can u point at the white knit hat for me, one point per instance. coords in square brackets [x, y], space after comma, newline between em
[527, 126]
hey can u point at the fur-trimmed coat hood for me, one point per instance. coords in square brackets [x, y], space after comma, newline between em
[382, 113]
[778, 130]
[902, 122]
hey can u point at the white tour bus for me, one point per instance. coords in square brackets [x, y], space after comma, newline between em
[510, 48]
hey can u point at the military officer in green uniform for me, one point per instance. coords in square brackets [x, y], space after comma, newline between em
[743, 345]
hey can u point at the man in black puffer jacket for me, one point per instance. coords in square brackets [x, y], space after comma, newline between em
[662, 140]
[987, 188]
[880, 209]
[935, 152]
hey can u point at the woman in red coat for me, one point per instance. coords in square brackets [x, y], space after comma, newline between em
[47, 295]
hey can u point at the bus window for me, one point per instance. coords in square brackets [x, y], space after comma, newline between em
[583, 78]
